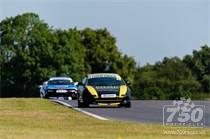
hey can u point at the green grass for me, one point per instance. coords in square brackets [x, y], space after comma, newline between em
[41, 119]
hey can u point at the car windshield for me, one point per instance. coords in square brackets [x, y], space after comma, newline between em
[59, 82]
[105, 81]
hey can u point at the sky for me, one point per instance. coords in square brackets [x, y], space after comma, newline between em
[147, 30]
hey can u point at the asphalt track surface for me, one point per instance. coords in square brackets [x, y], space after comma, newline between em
[146, 111]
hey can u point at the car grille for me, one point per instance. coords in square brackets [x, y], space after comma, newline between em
[69, 91]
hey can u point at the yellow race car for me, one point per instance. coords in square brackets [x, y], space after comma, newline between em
[103, 88]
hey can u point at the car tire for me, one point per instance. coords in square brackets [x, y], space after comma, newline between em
[86, 105]
[128, 105]
[82, 105]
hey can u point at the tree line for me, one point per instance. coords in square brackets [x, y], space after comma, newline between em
[31, 51]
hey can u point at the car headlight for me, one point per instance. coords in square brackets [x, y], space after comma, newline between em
[73, 91]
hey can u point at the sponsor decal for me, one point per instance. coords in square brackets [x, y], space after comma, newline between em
[104, 76]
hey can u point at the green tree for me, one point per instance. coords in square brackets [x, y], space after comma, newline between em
[153, 93]
[102, 54]
[69, 54]
[206, 83]
[199, 63]
[180, 81]
[31, 52]
[169, 79]
[19, 36]
[145, 77]
[101, 50]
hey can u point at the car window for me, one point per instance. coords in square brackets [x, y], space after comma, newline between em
[105, 81]
[59, 82]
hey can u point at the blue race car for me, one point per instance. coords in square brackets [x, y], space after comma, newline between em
[59, 87]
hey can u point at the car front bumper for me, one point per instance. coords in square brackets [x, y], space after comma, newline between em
[67, 93]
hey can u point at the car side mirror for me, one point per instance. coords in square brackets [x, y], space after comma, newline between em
[80, 84]
[128, 82]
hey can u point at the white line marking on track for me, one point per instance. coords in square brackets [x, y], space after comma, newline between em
[80, 110]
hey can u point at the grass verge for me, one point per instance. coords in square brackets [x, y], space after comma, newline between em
[41, 119]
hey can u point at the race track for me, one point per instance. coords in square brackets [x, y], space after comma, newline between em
[141, 111]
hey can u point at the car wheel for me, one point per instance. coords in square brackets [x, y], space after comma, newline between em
[83, 105]
[128, 104]
[86, 105]
[80, 104]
